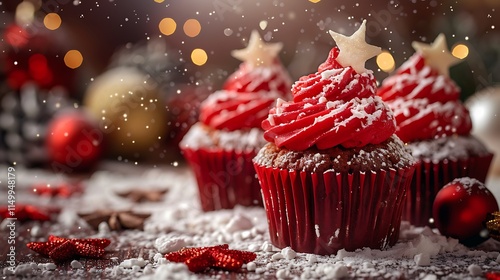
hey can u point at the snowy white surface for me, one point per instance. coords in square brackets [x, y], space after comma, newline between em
[178, 221]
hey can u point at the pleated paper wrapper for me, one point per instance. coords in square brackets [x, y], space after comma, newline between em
[431, 176]
[225, 178]
[322, 213]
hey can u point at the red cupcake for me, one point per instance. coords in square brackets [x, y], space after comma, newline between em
[435, 125]
[220, 147]
[334, 175]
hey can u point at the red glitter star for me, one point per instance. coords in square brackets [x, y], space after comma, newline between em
[492, 275]
[27, 212]
[62, 190]
[202, 258]
[62, 249]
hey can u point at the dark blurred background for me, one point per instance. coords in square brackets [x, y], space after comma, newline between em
[71, 43]
[98, 28]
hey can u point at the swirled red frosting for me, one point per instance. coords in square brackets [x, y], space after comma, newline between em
[334, 106]
[264, 78]
[426, 104]
[246, 98]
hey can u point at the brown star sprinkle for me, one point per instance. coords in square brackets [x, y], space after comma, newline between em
[116, 220]
[139, 196]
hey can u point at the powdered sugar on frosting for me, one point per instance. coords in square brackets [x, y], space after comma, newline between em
[202, 136]
[246, 96]
[265, 78]
[415, 80]
[231, 110]
[426, 104]
[334, 106]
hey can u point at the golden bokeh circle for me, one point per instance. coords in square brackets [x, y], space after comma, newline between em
[192, 27]
[167, 26]
[73, 59]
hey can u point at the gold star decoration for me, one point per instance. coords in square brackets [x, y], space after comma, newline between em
[116, 220]
[258, 53]
[437, 55]
[138, 196]
[353, 50]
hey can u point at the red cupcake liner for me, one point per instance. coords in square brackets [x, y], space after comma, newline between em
[322, 213]
[431, 176]
[225, 178]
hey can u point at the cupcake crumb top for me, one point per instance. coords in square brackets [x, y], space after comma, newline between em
[452, 147]
[389, 154]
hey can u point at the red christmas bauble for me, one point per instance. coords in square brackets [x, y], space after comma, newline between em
[460, 210]
[36, 55]
[74, 142]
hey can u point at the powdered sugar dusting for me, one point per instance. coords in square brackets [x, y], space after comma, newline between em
[426, 103]
[335, 106]
[452, 148]
[201, 136]
[419, 253]
[394, 155]
[468, 184]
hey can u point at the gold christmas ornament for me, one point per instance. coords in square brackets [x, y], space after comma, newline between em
[130, 111]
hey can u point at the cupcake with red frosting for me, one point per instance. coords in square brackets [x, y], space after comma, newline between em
[220, 147]
[333, 174]
[434, 124]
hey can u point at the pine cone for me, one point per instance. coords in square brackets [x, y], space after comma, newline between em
[24, 116]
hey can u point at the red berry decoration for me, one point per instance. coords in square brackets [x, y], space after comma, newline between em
[461, 208]
[74, 142]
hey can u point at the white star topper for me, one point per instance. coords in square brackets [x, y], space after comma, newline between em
[354, 51]
[437, 55]
[258, 53]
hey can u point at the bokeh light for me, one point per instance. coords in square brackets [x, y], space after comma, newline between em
[386, 62]
[52, 21]
[263, 24]
[192, 27]
[73, 59]
[25, 13]
[159, 1]
[460, 51]
[167, 26]
[199, 57]
[16, 36]
[314, 1]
